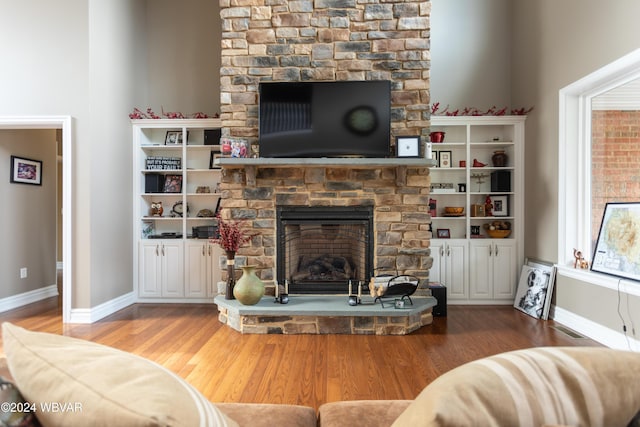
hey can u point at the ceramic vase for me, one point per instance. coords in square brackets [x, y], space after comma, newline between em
[499, 158]
[249, 289]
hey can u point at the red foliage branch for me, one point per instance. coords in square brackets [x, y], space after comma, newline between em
[231, 234]
[472, 111]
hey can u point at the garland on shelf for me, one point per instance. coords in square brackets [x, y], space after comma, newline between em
[149, 114]
[472, 111]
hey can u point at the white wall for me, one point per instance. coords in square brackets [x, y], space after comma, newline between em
[95, 61]
[471, 54]
[183, 40]
[555, 44]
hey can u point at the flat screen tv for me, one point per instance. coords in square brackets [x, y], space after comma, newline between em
[325, 119]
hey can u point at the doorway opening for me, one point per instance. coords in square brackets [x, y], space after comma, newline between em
[64, 123]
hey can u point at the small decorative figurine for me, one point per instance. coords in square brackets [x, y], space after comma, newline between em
[488, 206]
[156, 209]
[580, 262]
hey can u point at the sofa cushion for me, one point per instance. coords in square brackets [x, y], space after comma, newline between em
[269, 414]
[534, 387]
[80, 383]
[370, 413]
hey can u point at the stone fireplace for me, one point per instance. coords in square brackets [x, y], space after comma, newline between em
[329, 40]
[321, 249]
[394, 196]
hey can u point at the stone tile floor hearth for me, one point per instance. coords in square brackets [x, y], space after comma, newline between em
[325, 314]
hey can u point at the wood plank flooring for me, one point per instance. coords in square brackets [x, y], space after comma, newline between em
[227, 366]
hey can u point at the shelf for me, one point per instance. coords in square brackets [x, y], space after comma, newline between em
[162, 171]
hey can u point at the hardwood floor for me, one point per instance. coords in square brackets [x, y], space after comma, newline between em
[227, 366]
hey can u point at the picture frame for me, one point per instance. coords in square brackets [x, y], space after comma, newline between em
[408, 146]
[616, 245]
[443, 233]
[26, 171]
[535, 288]
[444, 159]
[436, 158]
[172, 184]
[500, 205]
[173, 137]
[215, 154]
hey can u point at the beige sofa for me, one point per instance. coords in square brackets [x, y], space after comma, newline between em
[97, 385]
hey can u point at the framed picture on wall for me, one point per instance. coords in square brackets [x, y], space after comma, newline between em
[26, 171]
[618, 245]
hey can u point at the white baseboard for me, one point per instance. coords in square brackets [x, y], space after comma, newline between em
[93, 314]
[595, 331]
[17, 301]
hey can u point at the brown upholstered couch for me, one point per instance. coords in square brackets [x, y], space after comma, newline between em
[538, 386]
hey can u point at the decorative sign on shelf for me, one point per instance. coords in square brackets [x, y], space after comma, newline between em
[442, 187]
[163, 163]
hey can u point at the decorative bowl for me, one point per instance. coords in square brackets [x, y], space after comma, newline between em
[453, 209]
[498, 234]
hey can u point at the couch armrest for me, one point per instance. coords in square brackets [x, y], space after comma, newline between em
[370, 413]
[268, 414]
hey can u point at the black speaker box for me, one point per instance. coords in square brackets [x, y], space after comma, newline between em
[212, 136]
[153, 183]
[439, 292]
[501, 181]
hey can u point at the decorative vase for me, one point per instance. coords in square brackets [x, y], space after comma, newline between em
[499, 158]
[249, 289]
[436, 136]
[231, 261]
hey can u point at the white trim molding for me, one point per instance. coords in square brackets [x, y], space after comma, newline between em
[91, 315]
[65, 123]
[19, 300]
[574, 155]
[595, 331]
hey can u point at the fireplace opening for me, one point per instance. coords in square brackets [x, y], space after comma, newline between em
[322, 249]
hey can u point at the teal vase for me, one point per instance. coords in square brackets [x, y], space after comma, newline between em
[249, 289]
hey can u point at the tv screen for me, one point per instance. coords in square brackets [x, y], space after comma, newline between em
[325, 119]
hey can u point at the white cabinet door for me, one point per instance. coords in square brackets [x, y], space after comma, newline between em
[197, 268]
[450, 266]
[172, 268]
[505, 269]
[481, 269]
[201, 269]
[161, 268]
[149, 273]
[493, 269]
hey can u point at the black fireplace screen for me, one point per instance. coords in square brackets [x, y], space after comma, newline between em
[322, 249]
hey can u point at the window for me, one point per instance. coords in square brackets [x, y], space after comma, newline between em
[587, 181]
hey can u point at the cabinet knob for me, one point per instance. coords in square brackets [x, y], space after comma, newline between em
[157, 250]
[448, 250]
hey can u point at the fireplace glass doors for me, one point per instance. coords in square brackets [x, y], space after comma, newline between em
[322, 249]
